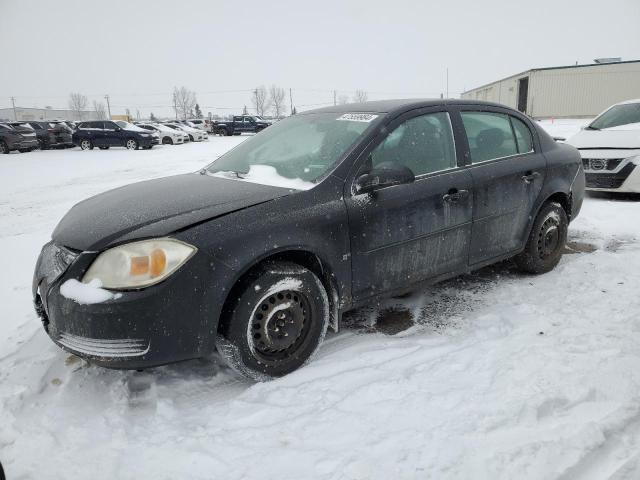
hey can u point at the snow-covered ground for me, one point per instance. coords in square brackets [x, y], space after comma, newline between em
[496, 375]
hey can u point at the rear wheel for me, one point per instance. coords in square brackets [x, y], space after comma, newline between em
[546, 240]
[131, 144]
[276, 323]
[86, 144]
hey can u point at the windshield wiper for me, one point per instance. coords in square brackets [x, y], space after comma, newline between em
[589, 127]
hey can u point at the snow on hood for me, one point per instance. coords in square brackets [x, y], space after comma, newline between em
[615, 137]
[267, 175]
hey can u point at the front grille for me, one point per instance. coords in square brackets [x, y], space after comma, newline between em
[96, 347]
[609, 180]
[595, 164]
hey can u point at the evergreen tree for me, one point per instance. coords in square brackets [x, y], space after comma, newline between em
[198, 111]
[152, 117]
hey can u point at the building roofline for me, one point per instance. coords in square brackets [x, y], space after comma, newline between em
[539, 69]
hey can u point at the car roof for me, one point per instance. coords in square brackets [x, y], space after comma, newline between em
[626, 102]
[397, 105]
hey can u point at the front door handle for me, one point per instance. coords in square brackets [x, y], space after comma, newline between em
[454, 195]
[530, 177]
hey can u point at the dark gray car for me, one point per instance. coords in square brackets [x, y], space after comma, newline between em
[259, 253]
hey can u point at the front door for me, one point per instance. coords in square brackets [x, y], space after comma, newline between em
[508, 175]
[406, 233]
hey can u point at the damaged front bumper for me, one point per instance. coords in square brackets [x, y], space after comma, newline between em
[161, 324]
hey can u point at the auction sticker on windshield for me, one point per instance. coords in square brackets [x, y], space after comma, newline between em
[358, 117]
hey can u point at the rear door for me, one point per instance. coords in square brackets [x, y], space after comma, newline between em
[406, 233]
[508, 173]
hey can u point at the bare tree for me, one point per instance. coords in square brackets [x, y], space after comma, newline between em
[100, 110]
[77, 104]
[184, 101]
[260, 100]
[343, 99]
[276, 96]
[360, 96]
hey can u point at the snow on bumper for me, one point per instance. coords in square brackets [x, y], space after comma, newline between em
[612, 170]
[161, 324]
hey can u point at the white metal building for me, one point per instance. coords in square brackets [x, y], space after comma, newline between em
[22, 113]
[573, 91]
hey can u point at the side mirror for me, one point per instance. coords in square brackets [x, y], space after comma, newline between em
[384, 175]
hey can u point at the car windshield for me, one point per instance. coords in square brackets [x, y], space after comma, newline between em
[295, 152]
[618, 115]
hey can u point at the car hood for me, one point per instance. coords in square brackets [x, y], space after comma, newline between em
[608, 139]
[156, 208]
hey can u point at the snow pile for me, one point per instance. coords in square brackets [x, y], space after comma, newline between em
[499, 375]
[86, 293]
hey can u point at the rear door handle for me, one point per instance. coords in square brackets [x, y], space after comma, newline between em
[530, 177]
[454, 195]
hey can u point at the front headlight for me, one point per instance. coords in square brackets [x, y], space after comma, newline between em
[139, 264]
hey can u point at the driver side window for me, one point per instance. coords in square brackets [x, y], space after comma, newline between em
[424, 144]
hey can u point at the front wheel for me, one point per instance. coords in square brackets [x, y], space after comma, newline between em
[276, 323]
[167, 141]
[546, 240]
[131, 144]
[4, 148]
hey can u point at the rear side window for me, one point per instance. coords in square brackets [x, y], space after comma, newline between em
[424, 144]
[490, 135]
[523, 136]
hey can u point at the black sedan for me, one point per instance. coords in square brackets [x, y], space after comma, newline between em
[263, 250]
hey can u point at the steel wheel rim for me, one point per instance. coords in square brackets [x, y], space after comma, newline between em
[548, 238]
[280, 325]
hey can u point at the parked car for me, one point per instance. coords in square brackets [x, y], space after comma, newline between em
[260, 252]
[168, 136]
[610, 149]
[49, 134]
[200, 124]
[12, 139]
[240, 124]
[176, 127]
[194, 134]
[105, 134]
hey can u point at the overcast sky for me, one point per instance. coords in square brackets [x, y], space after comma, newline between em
[137, 51]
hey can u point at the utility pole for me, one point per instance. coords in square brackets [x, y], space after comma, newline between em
[447, 82]
[106, 97]
[13, 102]
[291, 101]
[255, 94]
[334, 99]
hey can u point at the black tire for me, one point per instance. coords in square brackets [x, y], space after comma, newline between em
[86, 144]
[131, 144]
[276, 323]
[546, 241]
[167, 141]
[223, 132]
[103, 148]
[4, 148]
[191, 138]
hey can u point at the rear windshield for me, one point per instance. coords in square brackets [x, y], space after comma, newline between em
[618, 115]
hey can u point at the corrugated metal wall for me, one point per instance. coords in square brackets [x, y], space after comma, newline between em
[567, 92]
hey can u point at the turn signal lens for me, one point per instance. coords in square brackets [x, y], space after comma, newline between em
[158, 263]
[139, 264]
